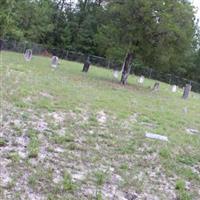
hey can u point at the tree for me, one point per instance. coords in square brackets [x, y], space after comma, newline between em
[157, 32]
[34, 19]
[7, 18]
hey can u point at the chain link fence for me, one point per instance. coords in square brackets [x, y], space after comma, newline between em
[37, 49]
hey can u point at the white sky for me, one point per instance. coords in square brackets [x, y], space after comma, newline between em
[197, 4]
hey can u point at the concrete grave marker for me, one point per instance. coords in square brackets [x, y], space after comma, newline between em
[141, 79]
[174, 88]
[116, 74]
[54, 61]
[28, 55]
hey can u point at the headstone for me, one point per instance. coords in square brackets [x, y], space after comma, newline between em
[141, 79]
[156, 136]
[86, 65]
[54, 61]
[186, 91]
[156, 87]
[174, 88]
[28, 55]
[116, 74]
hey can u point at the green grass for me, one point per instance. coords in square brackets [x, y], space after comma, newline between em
[33, 146]
[2, 142]
[68, 184]
[94, 124]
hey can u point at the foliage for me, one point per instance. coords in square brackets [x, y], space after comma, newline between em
[161, 34]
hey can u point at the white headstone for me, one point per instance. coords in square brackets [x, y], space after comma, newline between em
[174, 88]
[28, 55]
[116, 74]
[141, 79]
[54, 61]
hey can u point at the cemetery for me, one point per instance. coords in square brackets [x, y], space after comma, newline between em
[82, 137]
[99, 100]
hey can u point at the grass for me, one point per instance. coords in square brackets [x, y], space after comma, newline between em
[92, 124]
[2, 142]
[183, 195]
[100, 177]
[68, 184]
[33, 146]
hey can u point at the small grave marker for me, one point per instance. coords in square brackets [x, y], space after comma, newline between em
[28, 55]
[174, 88]
[54, 61]
[186, 91]
[116, 74]
[141, 79]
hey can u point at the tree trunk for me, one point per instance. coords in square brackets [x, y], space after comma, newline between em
[187, 90]
[126, 67]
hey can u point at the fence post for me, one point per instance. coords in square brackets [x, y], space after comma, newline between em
[108, 66]
[170, 79]
[150, 73]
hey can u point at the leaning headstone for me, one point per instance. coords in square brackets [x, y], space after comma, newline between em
[156, 136]
[174, 88]
[156, 87]
[141, 79]
[54, 61]
[86, 65]
[116, 74]
[28, 55]
[186, 91]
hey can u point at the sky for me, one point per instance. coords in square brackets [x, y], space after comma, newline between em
[197, 4]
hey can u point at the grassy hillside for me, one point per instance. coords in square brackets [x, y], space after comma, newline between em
[69, 135]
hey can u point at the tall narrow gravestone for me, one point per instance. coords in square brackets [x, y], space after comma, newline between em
[86, 65]
[54, 61]
[28, 55]
[186, 91]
